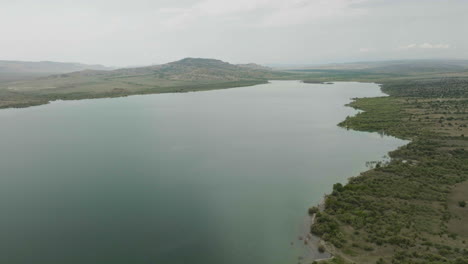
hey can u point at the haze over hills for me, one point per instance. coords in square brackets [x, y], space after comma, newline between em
[20, 70]
[396, 66]
[47, 66]
[379, 71]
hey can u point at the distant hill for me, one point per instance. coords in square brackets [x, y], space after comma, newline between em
[187, 69]
[189, 74]
[183, 73]
[394, 67]
[255, 66]
[46, 66]
[379, 71]
[19, 70]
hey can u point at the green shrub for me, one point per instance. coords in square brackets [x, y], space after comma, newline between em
[321, 248]
[313, 210]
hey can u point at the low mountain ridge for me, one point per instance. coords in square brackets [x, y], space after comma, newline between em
[189, 74]
[185, 69]
[47, 66]
[255, 66]
[393, 67]
[25, 70]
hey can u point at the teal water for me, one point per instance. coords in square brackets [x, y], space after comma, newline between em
[221, 176]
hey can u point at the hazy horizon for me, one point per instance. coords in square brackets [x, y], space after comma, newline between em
[270, 32]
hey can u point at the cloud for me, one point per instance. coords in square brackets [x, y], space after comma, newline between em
[264, 13]
[425, 46]
[365, 50]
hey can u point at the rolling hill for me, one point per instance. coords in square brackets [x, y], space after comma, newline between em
[189, 74]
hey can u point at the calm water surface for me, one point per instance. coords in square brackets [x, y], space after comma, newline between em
[221, 176]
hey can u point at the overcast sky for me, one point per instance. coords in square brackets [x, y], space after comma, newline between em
[141, 32]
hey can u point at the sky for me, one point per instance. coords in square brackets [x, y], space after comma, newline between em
[143, 32]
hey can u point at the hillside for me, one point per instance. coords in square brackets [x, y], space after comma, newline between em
[189, 74]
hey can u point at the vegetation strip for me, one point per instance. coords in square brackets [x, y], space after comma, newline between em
[412, 209]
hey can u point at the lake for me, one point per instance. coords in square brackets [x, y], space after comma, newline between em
[223, 176]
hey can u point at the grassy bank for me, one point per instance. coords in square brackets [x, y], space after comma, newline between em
[409, 210]
[12, 99]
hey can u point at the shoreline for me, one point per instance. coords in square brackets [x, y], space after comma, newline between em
[321, 205]
[31, 99]
[315, 245]
[400, 212]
